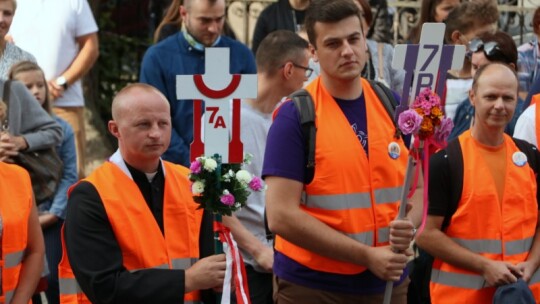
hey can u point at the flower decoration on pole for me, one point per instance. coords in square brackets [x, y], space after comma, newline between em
[222, 188]
[425, 121]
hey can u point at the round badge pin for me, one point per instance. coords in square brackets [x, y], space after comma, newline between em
[394, 150]
[519, 159]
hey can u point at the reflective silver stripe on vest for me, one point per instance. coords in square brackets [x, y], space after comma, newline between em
[69, 286]
[183, 263]
[387, 195]
[481, 246]
[192, 302]
[9, 295]
[363, 237]
[338, 201]
[469, 281]
[519, 246]
[495, 246]
[13, 259]
[384, 235]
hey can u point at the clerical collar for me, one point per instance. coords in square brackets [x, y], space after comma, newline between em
[118, 160]
[196, 44]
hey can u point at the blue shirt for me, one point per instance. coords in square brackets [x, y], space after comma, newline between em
[175, 56]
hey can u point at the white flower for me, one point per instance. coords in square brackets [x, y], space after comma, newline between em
[210, 165]
[247, 158]
[197, 187]
[231, 173]
[243, 176]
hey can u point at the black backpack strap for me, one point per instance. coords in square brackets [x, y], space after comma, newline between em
[530, 150]
[455, 164]
[386, 96]
[306, 113]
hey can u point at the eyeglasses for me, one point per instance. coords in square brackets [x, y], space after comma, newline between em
[307, 70]
[490, 48]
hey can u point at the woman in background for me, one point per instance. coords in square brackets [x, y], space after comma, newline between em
[21, 239]
[53, 212]
[431, 11]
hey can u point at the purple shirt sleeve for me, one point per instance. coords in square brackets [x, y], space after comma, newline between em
[284, 154]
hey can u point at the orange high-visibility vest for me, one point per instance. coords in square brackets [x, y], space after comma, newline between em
[15, 206]
[141, 241]
[500, 231]
[351, 194]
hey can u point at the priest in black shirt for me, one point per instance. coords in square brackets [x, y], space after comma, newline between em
[124, 250]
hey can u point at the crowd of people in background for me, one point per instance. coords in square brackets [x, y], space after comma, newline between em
[130, 231]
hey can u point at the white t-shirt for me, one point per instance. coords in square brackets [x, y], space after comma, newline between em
[457, 90]
[526, 126]
[48, 30]
[253, 131]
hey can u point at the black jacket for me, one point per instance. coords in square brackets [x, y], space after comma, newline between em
[276, 16]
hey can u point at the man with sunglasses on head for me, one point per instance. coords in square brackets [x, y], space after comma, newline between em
[487, 48]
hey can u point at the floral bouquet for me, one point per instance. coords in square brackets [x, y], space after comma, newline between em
[222, 188]
[425, 119]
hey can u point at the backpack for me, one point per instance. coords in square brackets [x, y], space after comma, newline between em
[306, 113]
[421, 265]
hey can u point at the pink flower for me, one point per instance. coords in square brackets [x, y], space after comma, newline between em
[409, 122]
[195, 167]
[227, 198]
[444, 129]
[426, 100]
[256, 184]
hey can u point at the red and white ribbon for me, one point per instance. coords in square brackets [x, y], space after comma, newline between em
[235, 268]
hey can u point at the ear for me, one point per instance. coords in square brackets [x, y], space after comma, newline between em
[288, 70]
[456, 37]
[183, 13]
[313, 53]
[513, 66]
[113, 128]
[471, 96]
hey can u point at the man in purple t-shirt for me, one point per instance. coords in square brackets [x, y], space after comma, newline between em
[324, 253]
